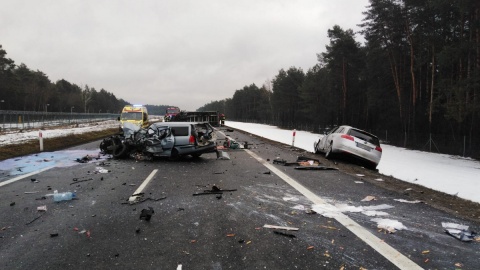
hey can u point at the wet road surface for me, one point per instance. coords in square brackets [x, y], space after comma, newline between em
[102, 230]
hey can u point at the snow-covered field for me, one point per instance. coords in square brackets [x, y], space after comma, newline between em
[445, 173]
[16, 137]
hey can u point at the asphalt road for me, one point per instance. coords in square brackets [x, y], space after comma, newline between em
[102, 230]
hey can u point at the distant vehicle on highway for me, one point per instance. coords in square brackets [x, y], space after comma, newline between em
[352, 142]
[170, 113]
[135, 114]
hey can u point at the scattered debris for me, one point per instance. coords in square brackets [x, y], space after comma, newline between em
[42, 208]
[146, 214]
[53, 234]
[215, 190]
[369, 198]
[389, 225]
[280, 227]
[101, 170]
[30, 192]
[28, 223]
[293, 199]
[84, 159]
[222, 155]
[318, 167]
[12, 203]
[361, 175]
[425, 251]
[75, 181]
[329, 227]
[310, 247]
[284, 234]
[460, 232]
[299, 207]
[378, 179]
[230, 235]
[303, 163]
[137, 200]
[358, 182]
[406, 201]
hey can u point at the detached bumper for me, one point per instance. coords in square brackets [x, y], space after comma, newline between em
[195, 150]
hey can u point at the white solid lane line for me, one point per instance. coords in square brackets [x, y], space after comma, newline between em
[142, 186]
[23, 176]
[391, 254]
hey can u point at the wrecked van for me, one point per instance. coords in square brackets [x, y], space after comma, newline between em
[170, 139]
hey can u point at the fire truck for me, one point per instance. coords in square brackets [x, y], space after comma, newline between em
[170, 113]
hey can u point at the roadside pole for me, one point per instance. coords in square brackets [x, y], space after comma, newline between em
[293, 139]
[40, 137]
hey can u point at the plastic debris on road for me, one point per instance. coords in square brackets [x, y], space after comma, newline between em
[407, 201]
[389, 225]
[458, 231]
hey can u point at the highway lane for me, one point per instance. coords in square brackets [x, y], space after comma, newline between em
[101, 230]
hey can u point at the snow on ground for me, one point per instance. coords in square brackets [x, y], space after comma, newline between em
[16, 137]
[445, 173]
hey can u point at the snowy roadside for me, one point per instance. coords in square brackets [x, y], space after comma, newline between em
[18, 137]
[449, 174]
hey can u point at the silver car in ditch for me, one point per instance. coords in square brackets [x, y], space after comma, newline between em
[351, 141]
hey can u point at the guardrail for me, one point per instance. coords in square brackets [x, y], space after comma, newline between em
[26, 119]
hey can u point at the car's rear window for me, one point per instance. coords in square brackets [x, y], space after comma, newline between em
[364, 136]
[180, 131]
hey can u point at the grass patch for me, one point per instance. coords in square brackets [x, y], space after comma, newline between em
[53, 144]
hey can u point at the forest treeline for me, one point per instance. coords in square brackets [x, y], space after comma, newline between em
[23, 89]
[415, 80]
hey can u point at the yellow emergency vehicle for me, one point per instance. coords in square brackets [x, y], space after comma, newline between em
[135, 114]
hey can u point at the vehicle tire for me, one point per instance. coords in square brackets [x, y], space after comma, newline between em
[196, 155]
[315, 147]
[105, 145]
[119, 149]
[328, 151]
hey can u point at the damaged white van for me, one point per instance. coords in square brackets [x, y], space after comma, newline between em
[162, 139]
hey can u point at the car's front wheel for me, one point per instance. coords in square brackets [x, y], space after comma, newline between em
[315, 147]
[328, 151]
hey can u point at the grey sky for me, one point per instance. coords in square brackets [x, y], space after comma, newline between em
[172, 52]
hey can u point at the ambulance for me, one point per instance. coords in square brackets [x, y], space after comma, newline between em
[135, 114]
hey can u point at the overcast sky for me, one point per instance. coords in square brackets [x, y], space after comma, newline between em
[171, 52]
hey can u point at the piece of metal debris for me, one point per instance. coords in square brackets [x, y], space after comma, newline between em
[222, 155]
[458, 231]
[280, 227]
